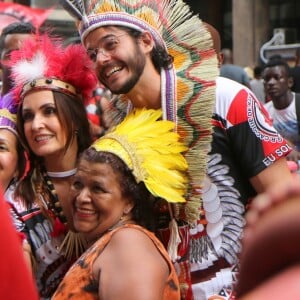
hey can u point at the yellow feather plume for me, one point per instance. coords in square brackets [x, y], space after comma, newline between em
[152, 150]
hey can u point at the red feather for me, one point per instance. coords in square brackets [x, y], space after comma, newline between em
[70, 64]
[58, 228]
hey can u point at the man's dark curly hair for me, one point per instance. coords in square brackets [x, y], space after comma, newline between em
[160, 57]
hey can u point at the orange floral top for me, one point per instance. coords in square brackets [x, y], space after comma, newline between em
[79, 283]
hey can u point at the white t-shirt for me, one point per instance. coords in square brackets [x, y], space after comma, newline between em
[285, 121]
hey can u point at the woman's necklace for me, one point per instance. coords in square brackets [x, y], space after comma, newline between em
[54, 204]
[73, 244]
[62, 174]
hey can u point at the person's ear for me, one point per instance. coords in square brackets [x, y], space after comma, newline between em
[127, 208]
[146, 41]
[290, 82]
[220, 59]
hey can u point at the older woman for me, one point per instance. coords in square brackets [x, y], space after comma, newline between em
[113, 196]
[50, 84]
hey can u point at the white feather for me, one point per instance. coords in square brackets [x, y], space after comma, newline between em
[29, 70]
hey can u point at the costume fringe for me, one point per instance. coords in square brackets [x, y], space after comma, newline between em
[73, 245]
[196, 73]
[174, 240]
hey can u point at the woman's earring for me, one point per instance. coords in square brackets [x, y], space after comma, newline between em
[127, 209]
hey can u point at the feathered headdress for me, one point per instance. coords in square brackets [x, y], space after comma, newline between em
[8, 113]
[188, 88]
[44, 64]
[152, 150]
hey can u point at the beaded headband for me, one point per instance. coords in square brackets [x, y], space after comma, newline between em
[48, 84]
[8, 113]
[139, 15]
[118, 19]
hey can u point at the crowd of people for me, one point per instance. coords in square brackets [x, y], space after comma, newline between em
[132, 168]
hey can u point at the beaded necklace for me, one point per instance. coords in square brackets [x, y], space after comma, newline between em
[74, 243]
[54, 204]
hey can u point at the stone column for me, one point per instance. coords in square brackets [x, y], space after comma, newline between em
[250, 20]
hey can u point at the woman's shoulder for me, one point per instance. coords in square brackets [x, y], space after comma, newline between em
[131, 233]
[133, 238]
[139, 243]
[135, 246]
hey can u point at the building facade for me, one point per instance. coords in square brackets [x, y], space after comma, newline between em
[246, 26]
[249, 27]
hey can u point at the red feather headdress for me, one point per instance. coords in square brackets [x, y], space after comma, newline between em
[44, 64]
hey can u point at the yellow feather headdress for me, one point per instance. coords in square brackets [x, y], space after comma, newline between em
[152, 150]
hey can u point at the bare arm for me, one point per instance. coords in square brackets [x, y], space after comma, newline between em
[277, 173]
[131, 268]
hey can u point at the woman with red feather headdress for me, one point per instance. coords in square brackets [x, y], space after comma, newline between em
[51, 84]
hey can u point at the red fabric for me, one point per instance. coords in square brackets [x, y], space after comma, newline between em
[94, 119]
[59, 228]
[12, 12]
[92, 114]
[16, 280]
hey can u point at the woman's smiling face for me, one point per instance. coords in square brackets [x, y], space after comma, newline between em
[96, 195]
[42, 128]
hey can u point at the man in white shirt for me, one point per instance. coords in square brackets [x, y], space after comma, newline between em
[282, 109]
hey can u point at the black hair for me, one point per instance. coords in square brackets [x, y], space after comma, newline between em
[24, 28]
[21, 159]
[16, 28]
[257, 71]
[160, 57]
[279, 62]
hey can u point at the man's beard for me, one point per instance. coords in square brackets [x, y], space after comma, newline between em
[136, 63]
